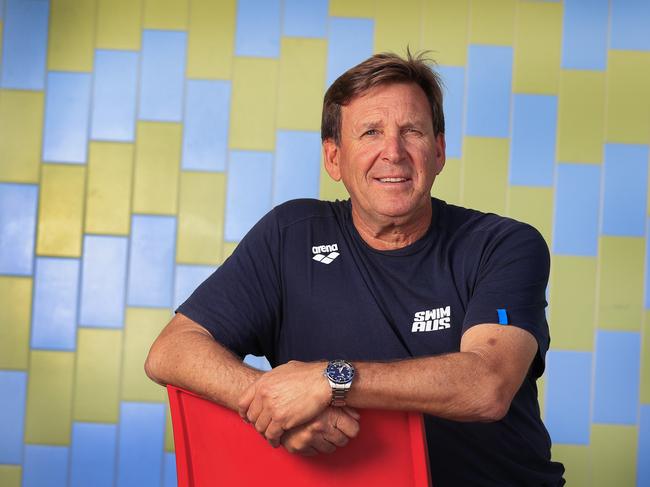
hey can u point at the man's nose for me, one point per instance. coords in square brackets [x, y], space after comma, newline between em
[393, 150]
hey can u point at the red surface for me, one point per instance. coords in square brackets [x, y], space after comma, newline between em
[214, 447]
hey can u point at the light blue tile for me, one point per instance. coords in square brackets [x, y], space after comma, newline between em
[625, 190]
[260, 363]
[24, 44]
[616, 385]
[350, 41]
[18, 204]
[54, 316]
[115, 90]
[489, 80]
[170, 470]
[248, 193]
[94, 448]
[305, 18]
[205, 131]
[296, 171]
[13, 385]
[577, 203]
[453, 78]
[103, 281]
[584, 34]
[532, 153]
[643, 452]
[67, 113]
[647, 268]
[162, 75]
[45, 466]
[568, 396]
[141, 444]
[258, 28]
[187, 279]
[629, 25]
[151, 262]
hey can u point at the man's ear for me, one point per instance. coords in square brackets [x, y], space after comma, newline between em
[331, 159]
[440, 153]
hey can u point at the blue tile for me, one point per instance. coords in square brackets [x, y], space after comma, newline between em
[577, 203]
[18, 204]
[532, 153]
[568, 396]
[489, 80]
[187, 279]
[24, 45]
[141, 444]
[616, 384]
[258, 28]
[103, 281]
[45, 466]
[170, 470]
[67, 113]
[54, 317]
[151, 262]
[260, 363]
[626, 188]
[305, 18]
[350, 41]
[248, 195]
[643, 452]
[13, 385]
[584, 36]
[647, 269]
[162, 76]
[453, 78]
[114, 95]
[629, 27]
[205, 131]
[297, 165]
[94, 447]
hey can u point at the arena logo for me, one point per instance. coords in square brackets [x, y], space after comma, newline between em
[325, 254]
[432, 319]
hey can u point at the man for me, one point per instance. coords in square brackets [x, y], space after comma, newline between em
[433, 308]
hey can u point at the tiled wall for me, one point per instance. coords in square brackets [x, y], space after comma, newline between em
[140, 139]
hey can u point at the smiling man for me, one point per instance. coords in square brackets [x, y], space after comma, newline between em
[391, 300]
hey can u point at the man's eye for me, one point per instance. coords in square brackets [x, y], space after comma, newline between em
[371, 132]
[412, 130]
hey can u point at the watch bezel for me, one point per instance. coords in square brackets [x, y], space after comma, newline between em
[334, 363]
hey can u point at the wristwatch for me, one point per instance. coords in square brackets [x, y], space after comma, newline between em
[339, 373]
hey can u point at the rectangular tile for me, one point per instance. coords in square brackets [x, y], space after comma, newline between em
[45, 466]
[577, 463]
[645, 360]
[151, 260]
[453, 78]
[18, 204]
[93, 453]
[258, 28]
[162, 75]
[115, 84]
[67, 112]
[533, 205]
[21, 131]
[119, 24]
[12, 415]
[187, 278]
[54, 320]
[492, 22]
[211, 39]
[248, 195]
[345, 8]
[614, 455]
[629, 25]
[16, 301]
[447, 184]
[205, 128]
[296, 170]
[643, 452]
[49, 399]
[165, 14]
[11, 475]
[169, 431]
[60, 210]
[485, 173]
[24, 45]
[584, 34]
[397, 25]
[330, 190]
[349, 42]
[201, 218]
[305, 19]
[448, 37]
[71, 39]
[169, 474]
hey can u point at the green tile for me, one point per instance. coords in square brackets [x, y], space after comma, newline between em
[532, 205]
[16, 304]
[577, 463]
[645, 361]
[10, 475]
[485, 173]
[447, 184]
[614, 450]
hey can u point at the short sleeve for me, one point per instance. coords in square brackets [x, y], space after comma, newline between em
[240, 303]
[510, 287]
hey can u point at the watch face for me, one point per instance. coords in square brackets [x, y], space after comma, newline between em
[340, 371]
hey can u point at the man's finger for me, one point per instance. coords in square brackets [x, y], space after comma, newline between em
[262, 422]
[347, 425]
[245, 402]
[336, 437]
[254, 410]
[322, 445]
[274, 432]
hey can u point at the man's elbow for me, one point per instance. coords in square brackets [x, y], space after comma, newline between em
[496, 403]
[153, 366]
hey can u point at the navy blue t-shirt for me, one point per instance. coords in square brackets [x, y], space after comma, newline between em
[303, 285]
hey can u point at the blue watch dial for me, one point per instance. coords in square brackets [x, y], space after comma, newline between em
[340, 371]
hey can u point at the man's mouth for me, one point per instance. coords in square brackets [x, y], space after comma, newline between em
[392, 180]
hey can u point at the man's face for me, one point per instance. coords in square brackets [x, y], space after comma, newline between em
[388, 155]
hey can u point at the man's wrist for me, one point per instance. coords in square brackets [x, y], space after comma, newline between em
[340, 375]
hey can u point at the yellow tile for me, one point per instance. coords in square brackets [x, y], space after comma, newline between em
[49, 398]
[397, 25]
[10, 475]
[492, 22]
[541, 394]
[157, 163]
[581, 116]
[572, 302]
[211, 39]
[302, 83]
[166, 14]
[21, 128]
[537, 48]
[628, 97]
[447, 184]
[331, 190]
[614, 452]
[533, 205]
[346, 8]
[142, 326]
[228, 249]
[169, 431]
[108, 199]
[16, 303]
[97, 375]
[71, 43]
[253, 106]
[577, 463]
[621, 283]
[200, 218]
[645, 361]
[445, 26]
[60, 211]
[119, 24]
[485, 178]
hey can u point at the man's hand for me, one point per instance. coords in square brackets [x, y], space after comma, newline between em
[285, 397]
